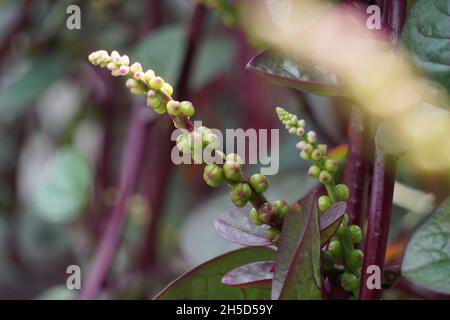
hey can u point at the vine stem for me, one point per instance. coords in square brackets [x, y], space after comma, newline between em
[379, 215]
[111, 237]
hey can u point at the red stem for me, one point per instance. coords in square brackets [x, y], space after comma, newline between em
[158, 187]
[112, 235]
[356, 165]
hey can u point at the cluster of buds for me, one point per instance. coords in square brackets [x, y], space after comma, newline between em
[341, 248]
[195, 142]
[142, 82]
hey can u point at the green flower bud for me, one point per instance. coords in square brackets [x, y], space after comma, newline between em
[327, 261]
[342, 191]
[308, 148]
[304, 155]
[156, 83]
[316, 154]
[280, 208]
[330, 165]
[335, 249]
[240, 191]
[167, 88]
[149, 75]
[213, 175]
[341, 230]
[354, 233]
[324, 203]
[232, 171]
[187, 108]
[325, 177]
[173, 108]
[323, 149]
[234, 157]
[154, 102]
[259, 183]
[265, 212]
[273, 234]
[349, 282]
[239, 203]
[355, 259]
[314, 171]
[255, 217]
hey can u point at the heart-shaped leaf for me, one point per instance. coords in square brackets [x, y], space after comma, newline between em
[301, 75]
[331, 220]
[256, 274]
[297, 265]
[204, 281]
[426, 35]
[235, 226]
[427, 256]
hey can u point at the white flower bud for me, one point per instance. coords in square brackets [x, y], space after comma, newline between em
[125, 60]
[312, 137]
[136, 67]
[131, 83]
[149, 75]
[123, 70]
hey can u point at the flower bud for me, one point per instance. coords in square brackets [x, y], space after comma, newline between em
[349, 282]
[259, 183]
[156, 83]
[273, 234]
[316, 154]
[354, 233]
[131, 83]
[138, 75]
[323, 149]
[265, 212]
[154, 102]
[325, 177]
[308, 148]
[213, 175]
[136, 67]
[149, 75]
[299, 146]
[312, 137]
[324, 203]
[137, 91]
[234, 157]
[300, 132]
[343, 192]
[187, 108]
[111, 66]
[167, 88]
[314, 171]
[280, 208]
[173, 108]
[254, 217]
[183, 145]
[232, 171]
[240, 192]
[304, 155]
[125, 60]
[335, 249]
[355, 259]
[330, 165]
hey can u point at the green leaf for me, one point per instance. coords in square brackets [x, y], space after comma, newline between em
[331, 220]
[204, 281]
[300, 75]
[255, 274]
[297, 265]
[427, 256]
[19, 93]
[64, 193]
[162, 51]
[426, 35]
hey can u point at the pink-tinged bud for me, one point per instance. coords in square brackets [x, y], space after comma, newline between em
[136, 67]
[123, 70]
[312, 137]
[111, 66]
[138, 75]
[300, 131]
[151, 93]
[300, 145]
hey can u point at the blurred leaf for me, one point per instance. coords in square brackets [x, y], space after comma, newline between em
[20, 93]
[297, 265]
[299, 75]
[235, 226]
[427, 257]
[65, 191]
[162, 51]
[204, 281]
[57, 293]
[255, 274]
[338, 153]
[426, 35]
[214, 57]
[331, 220]
[200, 242]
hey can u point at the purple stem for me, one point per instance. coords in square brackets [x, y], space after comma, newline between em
[379, 215]
[112, 235]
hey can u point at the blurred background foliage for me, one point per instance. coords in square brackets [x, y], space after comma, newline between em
[63, 126]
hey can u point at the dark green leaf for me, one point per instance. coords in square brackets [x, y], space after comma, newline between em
[255, 274]
[65, 191]
[297, 265]
[204, 281]
[300, 75]
[427, 257]
[426, 35]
